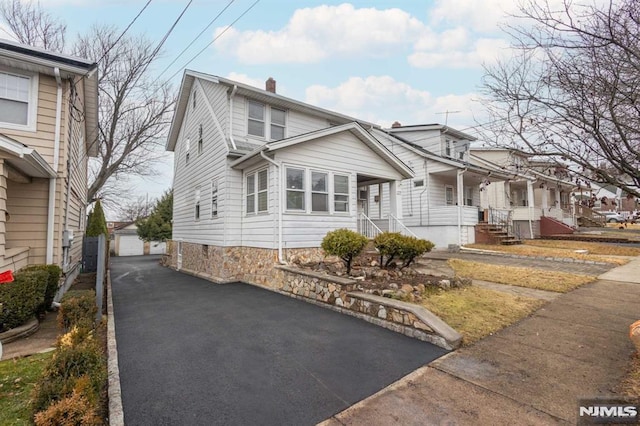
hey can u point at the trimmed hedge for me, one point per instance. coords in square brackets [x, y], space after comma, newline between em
[54, 272]
[394, 245]
[77, 308]
[22, 298]
[345, 244]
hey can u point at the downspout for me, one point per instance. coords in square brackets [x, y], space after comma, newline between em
[233, 93]
[279, 189]
[65, 250]
[530, 202]
[56, 160]
[460, 197]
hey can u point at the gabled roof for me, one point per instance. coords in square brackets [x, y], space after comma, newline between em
[497, 168]
[444, 129]
[251, 92]
[25, 159]
[354, 128]
[38, 60]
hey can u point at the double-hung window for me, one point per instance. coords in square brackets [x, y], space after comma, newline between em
[277, 124]
[17, 100]
[257, 191]
[256, 119]
[448, 195]
[214, 198]
[468, 196]
[340, 193]
[295, 189]
[319, 192]
[197, 206]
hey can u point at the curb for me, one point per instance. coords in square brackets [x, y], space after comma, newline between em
[116, 414]
[519, 256]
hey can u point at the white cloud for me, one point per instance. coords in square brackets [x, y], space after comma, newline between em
[383, 100]
[479, 15]
[243, 78]
[483, 50]
[313, 34]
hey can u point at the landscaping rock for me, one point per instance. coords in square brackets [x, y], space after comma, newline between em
[445, 284]
[407, 288]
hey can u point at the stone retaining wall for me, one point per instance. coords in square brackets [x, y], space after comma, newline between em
[406, 318]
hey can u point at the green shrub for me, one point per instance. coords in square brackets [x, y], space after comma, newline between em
[74, 410]
[345, 244]
[392, 245]
[413, 247]
[77, 367]
[22, 298]
[77, 308]
[53, 282]
[388, 245]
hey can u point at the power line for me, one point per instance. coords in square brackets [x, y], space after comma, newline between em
[195, 39]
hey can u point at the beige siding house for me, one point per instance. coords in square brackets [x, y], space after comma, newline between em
[48, 129]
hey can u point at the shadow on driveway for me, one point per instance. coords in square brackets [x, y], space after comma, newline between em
[195, 353]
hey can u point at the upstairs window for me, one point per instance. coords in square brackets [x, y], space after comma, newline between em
[255, 125]
[17, 100]
[277, 124]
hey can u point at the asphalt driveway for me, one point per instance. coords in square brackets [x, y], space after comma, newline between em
[192, 352]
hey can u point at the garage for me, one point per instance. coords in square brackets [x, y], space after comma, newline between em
[129, 245]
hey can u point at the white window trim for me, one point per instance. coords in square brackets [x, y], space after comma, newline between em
[255, 192]
[267, 123]
[32, 110]
[197, 207]
[308, 191]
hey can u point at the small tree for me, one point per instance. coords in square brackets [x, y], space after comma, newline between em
[411, 248]
[388, 245]
[157, 226]
[345, 244]
[96, 224]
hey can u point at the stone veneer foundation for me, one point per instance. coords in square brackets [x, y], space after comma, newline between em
[260, 267]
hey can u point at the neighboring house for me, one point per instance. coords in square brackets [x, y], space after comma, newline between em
[537, 189]
[48, 129]
[442, 203]
[125, 242]
[260, 178]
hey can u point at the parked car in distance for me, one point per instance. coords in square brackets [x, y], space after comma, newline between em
[613, 217]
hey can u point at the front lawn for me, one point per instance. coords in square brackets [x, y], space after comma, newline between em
[17, 378]
[593, 247]
[540, 279]
[550, 248]
[477, 312]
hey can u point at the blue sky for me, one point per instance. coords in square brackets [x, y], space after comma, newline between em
[382, 61]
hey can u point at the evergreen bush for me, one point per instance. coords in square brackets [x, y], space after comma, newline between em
[345, 244]
[22, 298]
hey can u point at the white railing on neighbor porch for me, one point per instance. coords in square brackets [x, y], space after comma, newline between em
[366, 226]
[396, 225]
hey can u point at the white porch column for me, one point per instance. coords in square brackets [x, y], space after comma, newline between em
[395, 200]
[3, 207]
[460, 189]
[379, 201]
[545, 195]
[530, 202]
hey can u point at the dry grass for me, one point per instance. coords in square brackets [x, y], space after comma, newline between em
[540, 279]
[552, 248]
[630, 385]
[477, 312]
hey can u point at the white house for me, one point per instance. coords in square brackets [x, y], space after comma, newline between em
[260, 178]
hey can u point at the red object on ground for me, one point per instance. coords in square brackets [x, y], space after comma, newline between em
[6, 276]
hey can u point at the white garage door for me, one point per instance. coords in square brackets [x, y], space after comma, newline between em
[157, 247]
[130, 245]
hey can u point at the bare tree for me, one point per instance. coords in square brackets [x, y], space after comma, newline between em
[33, 26]
[136, 209]
[572, 90]
[134, 113]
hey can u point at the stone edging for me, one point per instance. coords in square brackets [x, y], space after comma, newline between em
[116, 414]
[520, 256]
[313, 274]
[24, 330]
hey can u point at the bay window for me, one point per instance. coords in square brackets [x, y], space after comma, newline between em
[314, 191]
[340, 193]
[319, 192]
[295, 189]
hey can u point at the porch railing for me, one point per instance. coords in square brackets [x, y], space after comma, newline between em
[396, 225]
[366, 226]
[503, 219]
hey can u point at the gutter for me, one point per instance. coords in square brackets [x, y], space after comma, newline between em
[280, 201]
[56, 161]
[233, 93]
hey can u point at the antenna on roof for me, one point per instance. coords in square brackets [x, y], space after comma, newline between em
[446, 115]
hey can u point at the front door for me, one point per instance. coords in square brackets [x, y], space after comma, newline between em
[363, 201]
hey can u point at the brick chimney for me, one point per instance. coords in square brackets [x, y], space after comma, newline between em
[270, 85]
[396, 124]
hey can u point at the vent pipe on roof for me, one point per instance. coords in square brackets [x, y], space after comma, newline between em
[270, 85]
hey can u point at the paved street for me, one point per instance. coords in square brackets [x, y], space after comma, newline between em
[192, 352]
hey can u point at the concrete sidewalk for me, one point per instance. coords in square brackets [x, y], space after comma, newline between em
[534, 372]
